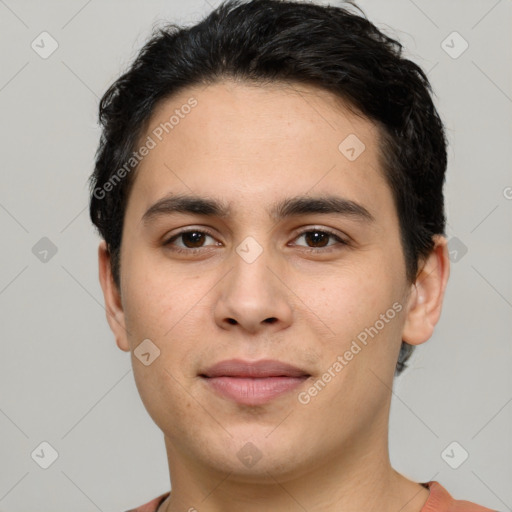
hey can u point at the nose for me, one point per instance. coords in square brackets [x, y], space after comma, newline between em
[252, 297]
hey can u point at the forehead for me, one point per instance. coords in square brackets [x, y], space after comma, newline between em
[247, 142]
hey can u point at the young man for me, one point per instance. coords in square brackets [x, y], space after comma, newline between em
[269, 190]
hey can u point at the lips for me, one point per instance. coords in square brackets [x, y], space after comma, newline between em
[253, 382]
[255, 369]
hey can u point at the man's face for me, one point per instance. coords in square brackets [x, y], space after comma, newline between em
[301, 288]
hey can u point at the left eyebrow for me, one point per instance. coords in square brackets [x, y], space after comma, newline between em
[304, 205]
[290, 207]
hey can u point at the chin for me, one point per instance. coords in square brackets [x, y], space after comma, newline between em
[254, 454]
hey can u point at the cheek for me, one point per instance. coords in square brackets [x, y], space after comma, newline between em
[348, 299]
[157, 295]
[360, 307]
[163, 392]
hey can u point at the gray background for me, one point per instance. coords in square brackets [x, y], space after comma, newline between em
[62, 378]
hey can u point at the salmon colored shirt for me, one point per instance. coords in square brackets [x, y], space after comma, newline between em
[439, 500]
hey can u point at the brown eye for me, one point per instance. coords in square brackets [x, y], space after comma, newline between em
[192, 239]
[318, 239]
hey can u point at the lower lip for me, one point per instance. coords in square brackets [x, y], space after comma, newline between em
[253, 391]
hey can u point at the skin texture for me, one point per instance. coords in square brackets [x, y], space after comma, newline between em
[251, 146]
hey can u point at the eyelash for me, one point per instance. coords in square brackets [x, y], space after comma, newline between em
[194, 250]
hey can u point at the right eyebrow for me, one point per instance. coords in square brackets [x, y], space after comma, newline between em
[186, 204]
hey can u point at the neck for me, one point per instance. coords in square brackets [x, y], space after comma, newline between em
[359, 477]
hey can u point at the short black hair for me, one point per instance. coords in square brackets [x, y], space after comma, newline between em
[264, 41]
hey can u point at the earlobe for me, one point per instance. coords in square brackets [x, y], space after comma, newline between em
[427, 293]
[113, 305]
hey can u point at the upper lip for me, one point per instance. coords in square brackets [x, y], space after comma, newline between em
[255, 369]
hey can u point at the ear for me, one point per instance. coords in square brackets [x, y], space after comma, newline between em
[427, 293]
[112, 296]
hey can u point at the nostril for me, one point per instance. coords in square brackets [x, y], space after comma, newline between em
[232, 321]
[271, 320]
